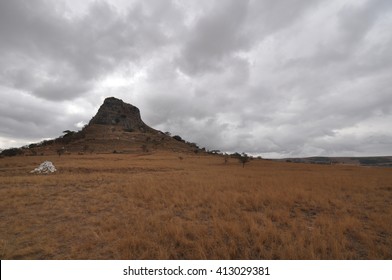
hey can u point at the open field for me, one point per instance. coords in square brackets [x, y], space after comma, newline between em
[158, 206]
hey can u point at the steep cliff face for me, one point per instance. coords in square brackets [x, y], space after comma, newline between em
[117, 113]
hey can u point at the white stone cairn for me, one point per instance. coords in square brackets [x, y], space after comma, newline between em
[46, 167]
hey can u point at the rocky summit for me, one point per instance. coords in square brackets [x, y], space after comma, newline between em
[115, 112]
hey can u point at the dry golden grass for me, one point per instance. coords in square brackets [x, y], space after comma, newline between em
[161, 207]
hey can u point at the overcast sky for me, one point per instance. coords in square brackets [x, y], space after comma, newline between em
[268, 77]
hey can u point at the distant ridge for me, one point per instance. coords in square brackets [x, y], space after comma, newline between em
[381, 161]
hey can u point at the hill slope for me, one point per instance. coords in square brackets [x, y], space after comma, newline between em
[116, 128]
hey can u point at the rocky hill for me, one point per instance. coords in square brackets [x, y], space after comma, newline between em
[116, 128]
[114, 112]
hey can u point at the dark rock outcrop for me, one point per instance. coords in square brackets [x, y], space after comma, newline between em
[116, 112]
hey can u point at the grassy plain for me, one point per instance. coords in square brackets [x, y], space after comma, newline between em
[158, 206]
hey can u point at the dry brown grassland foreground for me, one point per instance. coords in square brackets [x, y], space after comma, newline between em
[159, 206]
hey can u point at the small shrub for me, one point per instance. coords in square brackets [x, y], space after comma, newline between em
[60, 151]
[178, 138]
[145, 148]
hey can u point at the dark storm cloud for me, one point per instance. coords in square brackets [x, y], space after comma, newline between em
[58, 58]
[215, 37]
[232, 26]
[277, 78]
